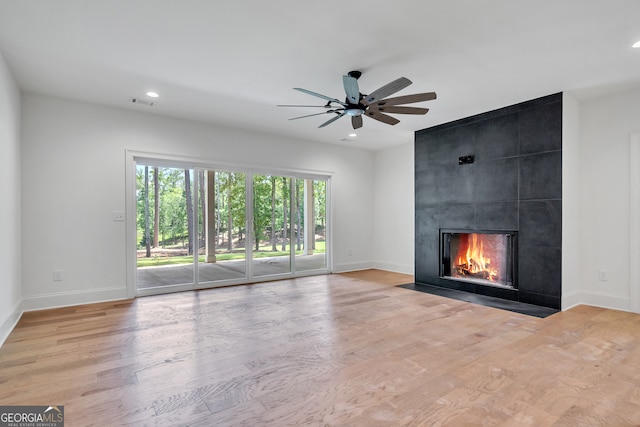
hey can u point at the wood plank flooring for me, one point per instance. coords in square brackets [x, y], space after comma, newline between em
[338, 350]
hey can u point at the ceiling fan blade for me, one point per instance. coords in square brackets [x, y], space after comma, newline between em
[311, 115]
[398, 110]
[351, 89]
[382, 117]
[386, 90]
[308, 92]
[314, 106]
[328, 122]
[408, 99]
[356, 122]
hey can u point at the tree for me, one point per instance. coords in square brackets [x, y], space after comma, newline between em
[203, 208]
[230, 212]
[320, 205]
[173, 212]
[298, 213]
[261, 207]
[187, 190]
[285, 222]
[274, 242]
[146, 212]
[156, 207]
[238, 203]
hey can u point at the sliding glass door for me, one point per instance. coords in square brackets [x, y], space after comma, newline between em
[203, 227]
[271, 247]
[310, 237]
[164, 252]
[222, 227]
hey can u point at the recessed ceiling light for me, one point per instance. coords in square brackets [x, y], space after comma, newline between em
[353, 135]
[152, 94]
[636, 44]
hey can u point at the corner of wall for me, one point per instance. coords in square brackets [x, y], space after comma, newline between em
[571, 217]
[11, 214]
[634, 221]
[10, 321]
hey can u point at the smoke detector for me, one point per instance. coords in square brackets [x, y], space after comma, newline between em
[142, 102]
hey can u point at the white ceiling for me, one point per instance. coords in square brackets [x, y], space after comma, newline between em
[231, 62]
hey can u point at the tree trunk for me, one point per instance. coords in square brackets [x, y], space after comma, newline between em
[156, 208]
[147, 234]
[298, 232]
[285, 223]
[229, 215]
[218, 210]
[209, 216]
[203, 209]
[187, 189]
[255, 236]
[274, 243]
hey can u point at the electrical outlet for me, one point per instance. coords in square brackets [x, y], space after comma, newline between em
[118, 216]
[603, 275]
[57, 275]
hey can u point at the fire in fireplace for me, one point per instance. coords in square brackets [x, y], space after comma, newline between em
[481, 257]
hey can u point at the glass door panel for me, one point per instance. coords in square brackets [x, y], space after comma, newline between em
[164, 240]
[221, 226]
[310, 224]
[271, 248]
[198, 228]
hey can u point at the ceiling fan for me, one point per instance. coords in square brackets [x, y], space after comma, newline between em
[373, 105]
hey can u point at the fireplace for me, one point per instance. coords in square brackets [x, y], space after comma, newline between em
[481, 257]
[514, 183]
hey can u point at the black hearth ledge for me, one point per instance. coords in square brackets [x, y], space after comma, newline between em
[503, 304]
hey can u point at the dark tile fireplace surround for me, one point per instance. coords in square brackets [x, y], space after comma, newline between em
[500, 170]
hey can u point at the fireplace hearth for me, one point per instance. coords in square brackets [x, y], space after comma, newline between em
[482, 257]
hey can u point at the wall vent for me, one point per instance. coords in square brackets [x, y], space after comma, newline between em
[142, 102]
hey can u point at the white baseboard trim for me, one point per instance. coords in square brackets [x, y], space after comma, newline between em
[10, 321]
[570, 300]
[67, 299]
[355, 266]
[596, 299]
[395, 268]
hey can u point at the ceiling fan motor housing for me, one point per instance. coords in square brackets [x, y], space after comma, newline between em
[354, 111]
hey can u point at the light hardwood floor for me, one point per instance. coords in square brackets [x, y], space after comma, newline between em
[339, 350]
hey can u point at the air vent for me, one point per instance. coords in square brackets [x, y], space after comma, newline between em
[142, 102]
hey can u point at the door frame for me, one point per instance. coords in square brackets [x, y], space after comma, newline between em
[133, 157]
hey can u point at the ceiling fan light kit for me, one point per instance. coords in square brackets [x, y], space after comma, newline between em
[374, 105]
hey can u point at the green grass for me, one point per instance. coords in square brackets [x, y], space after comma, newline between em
[264, 252]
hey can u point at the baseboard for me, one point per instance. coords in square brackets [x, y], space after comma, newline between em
[596, 299]
[354, 266]
[396, 268]
[66, 299]
[570, 300]
[10, 321]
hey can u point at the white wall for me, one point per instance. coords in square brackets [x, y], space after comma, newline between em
[10, 291]
[606, 126]
[393, 209]
[73, 175]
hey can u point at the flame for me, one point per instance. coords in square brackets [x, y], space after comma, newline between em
[473, 261]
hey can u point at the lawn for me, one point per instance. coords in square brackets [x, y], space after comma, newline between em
[264, 252]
